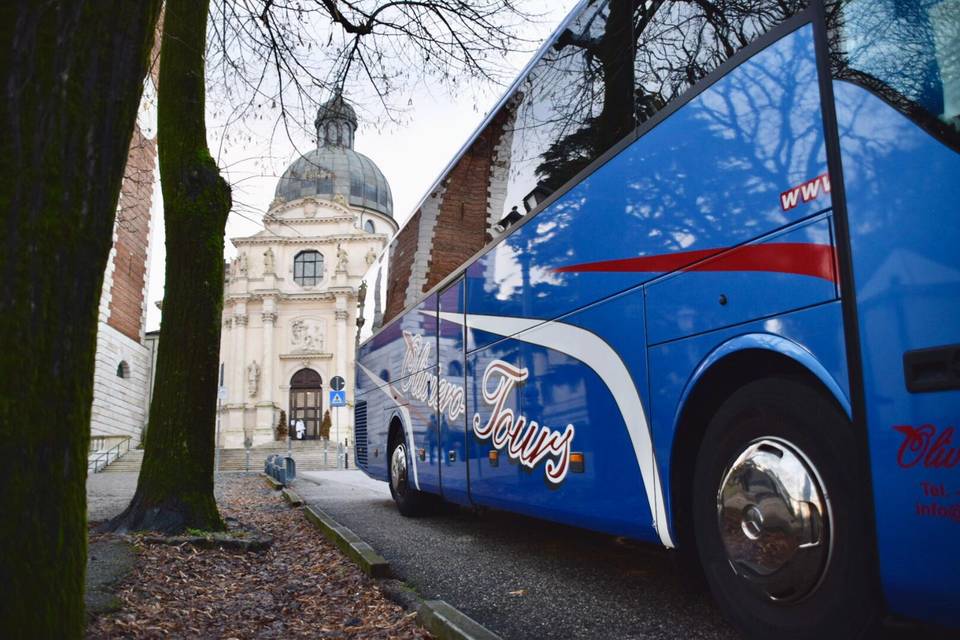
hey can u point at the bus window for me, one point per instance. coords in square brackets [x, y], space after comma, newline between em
[905, 51]
[679, 43]
[573, 105]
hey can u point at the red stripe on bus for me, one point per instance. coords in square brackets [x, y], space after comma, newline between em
[800, 258]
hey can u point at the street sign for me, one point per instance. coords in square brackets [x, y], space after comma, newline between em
[336, 383]
[338, 398]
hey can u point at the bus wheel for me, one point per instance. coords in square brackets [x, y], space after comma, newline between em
[781, 530]
[410, 502]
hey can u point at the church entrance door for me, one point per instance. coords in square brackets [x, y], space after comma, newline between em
[306, 404]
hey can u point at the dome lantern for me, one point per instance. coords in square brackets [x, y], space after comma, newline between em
[334, 168]
[336, 123]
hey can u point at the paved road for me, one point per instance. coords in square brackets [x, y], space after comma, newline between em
[519, 577]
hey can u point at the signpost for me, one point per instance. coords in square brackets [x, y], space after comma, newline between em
[338, 398]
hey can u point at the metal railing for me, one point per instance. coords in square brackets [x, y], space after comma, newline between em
[97, 461]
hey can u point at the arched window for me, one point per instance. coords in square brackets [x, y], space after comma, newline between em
[306, 404]
[123, 369]
[369, 227]
[308, 268]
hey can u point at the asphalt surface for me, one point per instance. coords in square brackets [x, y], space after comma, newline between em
[108, 494]
[519, 577]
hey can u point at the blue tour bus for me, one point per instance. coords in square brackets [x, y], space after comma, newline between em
[696, 281]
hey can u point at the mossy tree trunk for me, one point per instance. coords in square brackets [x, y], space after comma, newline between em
[71, 74]
[175, 489]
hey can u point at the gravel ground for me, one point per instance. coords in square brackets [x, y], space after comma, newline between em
[519, 577]
[301, 587]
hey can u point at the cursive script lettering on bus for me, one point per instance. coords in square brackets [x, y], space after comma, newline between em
[926, 447]
[438, 393]
[525, 440]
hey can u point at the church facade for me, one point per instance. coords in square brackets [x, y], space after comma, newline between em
[290, 295]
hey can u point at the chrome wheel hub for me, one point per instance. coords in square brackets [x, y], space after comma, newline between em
[398, 469]
[775, 520]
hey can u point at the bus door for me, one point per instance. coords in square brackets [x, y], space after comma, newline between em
[450, 397]
[897, 92]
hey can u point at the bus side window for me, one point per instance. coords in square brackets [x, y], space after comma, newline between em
[679, 43]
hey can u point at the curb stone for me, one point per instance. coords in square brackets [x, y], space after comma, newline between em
[437, 616]
[370, 562]
[447, 623]
[291, 496]
[273, 484]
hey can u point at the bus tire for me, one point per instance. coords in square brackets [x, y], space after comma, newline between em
[410, 502]
[776, 570]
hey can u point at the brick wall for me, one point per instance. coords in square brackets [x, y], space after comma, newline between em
[403, 250]
[127, 292]
[462, 227]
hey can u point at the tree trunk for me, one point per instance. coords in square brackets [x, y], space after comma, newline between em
[72, 74]
[175, 488]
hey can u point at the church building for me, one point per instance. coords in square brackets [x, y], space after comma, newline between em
[290, 295]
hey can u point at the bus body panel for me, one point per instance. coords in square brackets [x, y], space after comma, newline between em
[811, 337]
[565, 379]
[902, 193]
[721, 291]
[707, 178]
[452, 403]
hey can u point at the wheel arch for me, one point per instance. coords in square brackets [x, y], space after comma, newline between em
[728, 367]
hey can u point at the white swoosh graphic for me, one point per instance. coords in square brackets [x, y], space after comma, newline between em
[404, 418]
[590, 349]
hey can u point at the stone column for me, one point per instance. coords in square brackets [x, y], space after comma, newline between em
[266, 418]
[226, 346]
[269, 323]
[239, 395]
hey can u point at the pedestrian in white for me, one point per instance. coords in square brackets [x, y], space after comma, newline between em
[301, 428]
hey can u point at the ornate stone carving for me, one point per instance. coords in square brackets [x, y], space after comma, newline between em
[342, 258]
[253, 378]
[269, 317]
[306, 335]
[242, 264]
[340, 199]
[341, 314]
[240, 321]
[227, 323]
[268, 262]
[371, 256]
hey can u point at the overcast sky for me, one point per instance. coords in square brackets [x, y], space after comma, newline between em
[411, 154]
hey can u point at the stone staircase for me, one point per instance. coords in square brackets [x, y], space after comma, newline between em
[130, 461]
[310, 455]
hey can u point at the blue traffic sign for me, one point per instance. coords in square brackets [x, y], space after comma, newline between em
[338, 398]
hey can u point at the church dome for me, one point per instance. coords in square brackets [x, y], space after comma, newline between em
[334, 168]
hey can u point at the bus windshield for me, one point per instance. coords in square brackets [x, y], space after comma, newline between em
[907, 52]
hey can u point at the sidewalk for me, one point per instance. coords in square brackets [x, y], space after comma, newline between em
[108, 494]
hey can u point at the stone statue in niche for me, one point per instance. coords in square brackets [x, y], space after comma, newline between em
[268, 264]
[242, 264]
[253, 378]
[371, 256]
[361, 305]
[342, 258]
[306, 335]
